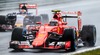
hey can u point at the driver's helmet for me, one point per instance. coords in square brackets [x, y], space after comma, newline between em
[53, 23]
[57, 16]
[24, 9]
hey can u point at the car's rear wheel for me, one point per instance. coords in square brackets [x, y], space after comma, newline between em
[69, 35]
[2, 22]
[3, 19]
[88, 35]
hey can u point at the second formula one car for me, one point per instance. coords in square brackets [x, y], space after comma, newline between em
[24, 12]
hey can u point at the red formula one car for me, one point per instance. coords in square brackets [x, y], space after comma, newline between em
[54, 35]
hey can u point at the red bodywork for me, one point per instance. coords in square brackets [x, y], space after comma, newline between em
[43, 32]
[42, 35]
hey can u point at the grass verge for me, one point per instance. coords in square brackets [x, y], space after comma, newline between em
[92, 52]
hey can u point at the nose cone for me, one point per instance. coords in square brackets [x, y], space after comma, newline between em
[40, 39]
[37, 43]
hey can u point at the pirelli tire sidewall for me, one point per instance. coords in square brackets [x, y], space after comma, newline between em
[17, 35]
[88, 35]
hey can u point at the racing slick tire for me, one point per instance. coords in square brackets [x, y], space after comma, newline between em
[2, 19]
[69, 35]
[88, 35]
[3, 22]
[45, 18]
[17, 35]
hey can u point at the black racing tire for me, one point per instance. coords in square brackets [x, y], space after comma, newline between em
[45, 18]
[17, 35]
[69, 35]
[3, 19]
[3, 22]
[88, 35]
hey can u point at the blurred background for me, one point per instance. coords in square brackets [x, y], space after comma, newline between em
[13, 4]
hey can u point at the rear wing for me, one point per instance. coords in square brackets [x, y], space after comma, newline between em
[71, 14]
[74, 15]
[28, 6]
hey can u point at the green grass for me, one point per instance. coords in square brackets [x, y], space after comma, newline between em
[93, 52]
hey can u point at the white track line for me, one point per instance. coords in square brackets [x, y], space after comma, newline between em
[81, 51]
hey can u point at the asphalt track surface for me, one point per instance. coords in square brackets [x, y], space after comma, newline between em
[90, 15]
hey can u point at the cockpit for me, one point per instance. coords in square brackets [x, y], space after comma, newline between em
[53, 23]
